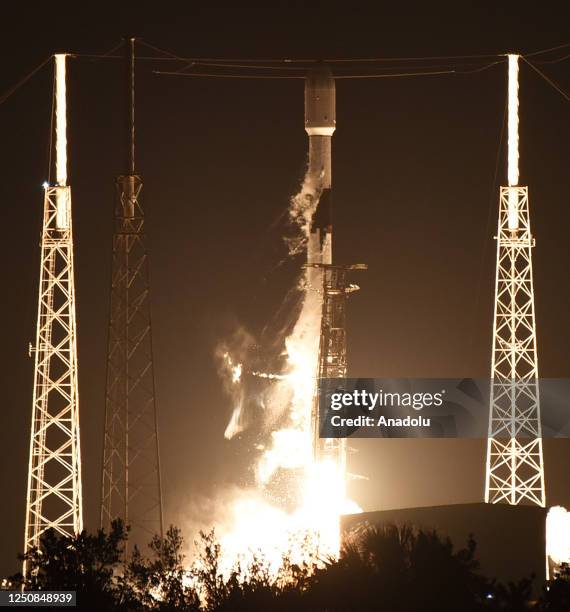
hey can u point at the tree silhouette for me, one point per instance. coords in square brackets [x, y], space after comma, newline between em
[556, 593]
[400, 569]
[390, 568]
[161, 583]
[84, 563]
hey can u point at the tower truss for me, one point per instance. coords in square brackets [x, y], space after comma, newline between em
[514, 468]
[332, 362]
[131, 486]
[54, 473]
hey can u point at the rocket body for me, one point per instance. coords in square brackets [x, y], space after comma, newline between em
[320, 124]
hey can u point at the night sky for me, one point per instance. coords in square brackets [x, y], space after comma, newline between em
[414, 198]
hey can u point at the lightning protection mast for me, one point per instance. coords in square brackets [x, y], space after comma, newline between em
[131, 486]
[514, 469]
[54, 472]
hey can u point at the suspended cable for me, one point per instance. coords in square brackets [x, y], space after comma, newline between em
[172, 55]
[342, 60]
[24, 80]
[119, 46]
[264, 64]
[276, 77]
[542, 51]
[254, 61]
[409, 59]
[245, 66]
[548, 80]
[554, 61]
[227, 76]
[481, 69]
[337, 76]
[120, 57]
[395, 74]
[486, 243]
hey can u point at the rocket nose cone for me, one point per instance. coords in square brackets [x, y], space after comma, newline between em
[320, 102]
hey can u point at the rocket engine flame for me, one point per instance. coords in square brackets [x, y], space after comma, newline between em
[296, 509]
[307, 530]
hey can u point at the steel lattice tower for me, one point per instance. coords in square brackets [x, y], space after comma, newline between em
[131, 487]
[515, 471]
[54, 473]
[332, 362]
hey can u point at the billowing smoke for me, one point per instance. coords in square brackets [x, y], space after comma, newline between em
[231, 355]
[294, 504]
[301, 210]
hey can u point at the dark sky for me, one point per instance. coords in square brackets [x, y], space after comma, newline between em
[413, 167]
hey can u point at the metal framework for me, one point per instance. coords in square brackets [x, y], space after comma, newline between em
[131, 486]
[54, 473]
[332, 351]
[514, 469]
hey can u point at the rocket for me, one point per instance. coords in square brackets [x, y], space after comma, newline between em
[320, 124]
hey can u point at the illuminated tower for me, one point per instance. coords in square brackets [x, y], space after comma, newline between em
[514, 471]
[131, 487]
[332, 352]
[54, 473]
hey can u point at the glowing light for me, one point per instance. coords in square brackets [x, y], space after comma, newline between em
[62, 199]
[558, 535]
[513, 160]
[268, 375]
[289, 450]
[60, 121]
[236, 425]
[308, 531]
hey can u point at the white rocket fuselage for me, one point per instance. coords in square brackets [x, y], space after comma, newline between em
[320, 124]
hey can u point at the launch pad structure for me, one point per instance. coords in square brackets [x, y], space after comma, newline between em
[332, 357]
[54, 499]
[131, 478]
[514, 467]
[131, 485]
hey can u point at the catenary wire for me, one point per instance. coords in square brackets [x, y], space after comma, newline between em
[548, 80]
[24, 80]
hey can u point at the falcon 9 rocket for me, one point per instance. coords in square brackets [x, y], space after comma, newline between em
[320, 123]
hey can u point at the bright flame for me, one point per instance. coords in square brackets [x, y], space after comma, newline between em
[558, 535]
[294, 512]
[308, 531]
[308, 535]
[289, 450]
[236, 425]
